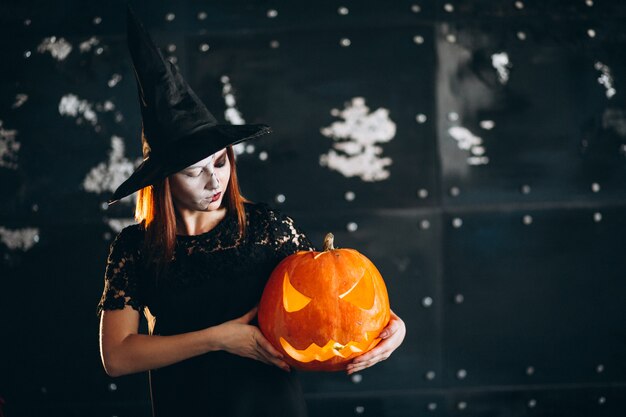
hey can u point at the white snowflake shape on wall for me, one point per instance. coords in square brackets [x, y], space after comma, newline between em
[9, 147]
[71, 105]
[502, 64]
[355, 151]
[107, 176]
[19, 239]
[59, 48]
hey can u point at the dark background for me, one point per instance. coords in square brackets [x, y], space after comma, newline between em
[509, 274]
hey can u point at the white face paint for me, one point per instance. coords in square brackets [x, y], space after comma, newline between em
[201, 186]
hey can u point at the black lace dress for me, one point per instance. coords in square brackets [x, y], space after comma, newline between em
[213, 278]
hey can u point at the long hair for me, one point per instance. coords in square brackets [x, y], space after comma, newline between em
[156, 212]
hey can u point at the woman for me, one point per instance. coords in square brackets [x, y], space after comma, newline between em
[225, 247]
[196, 264]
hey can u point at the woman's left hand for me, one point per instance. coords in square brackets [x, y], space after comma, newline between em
[392, 336]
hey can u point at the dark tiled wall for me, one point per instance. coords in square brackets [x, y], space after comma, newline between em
[496, 215]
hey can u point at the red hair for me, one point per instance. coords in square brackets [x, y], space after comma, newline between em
[155, 211]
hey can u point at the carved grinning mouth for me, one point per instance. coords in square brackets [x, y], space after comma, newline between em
[330, 350]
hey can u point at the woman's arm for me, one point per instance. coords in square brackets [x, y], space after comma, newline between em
[124, 351]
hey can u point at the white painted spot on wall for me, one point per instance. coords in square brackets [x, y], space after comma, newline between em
[114, 80]
[605, 79]
[355, 151]
[478, 160]
[464, 137]
[59, 48]
[502, 64]
[71, 105]
[20, 99]
[487, 124]
[22, 239]
[88, 44]
[9, 147]
[232, 114]
[107, 176]
[467, 141]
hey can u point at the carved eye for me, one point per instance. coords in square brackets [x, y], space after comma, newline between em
[293, 300]
[362, 293]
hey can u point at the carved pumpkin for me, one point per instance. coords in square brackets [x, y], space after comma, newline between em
[322, 309]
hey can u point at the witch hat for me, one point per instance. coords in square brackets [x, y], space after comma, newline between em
[178, 129]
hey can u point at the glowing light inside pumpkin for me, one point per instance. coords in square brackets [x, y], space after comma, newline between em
[329, 350]
[293, 300]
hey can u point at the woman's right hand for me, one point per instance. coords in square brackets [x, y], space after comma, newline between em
[240, 338]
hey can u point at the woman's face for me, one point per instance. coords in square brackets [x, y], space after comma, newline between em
[202, 185]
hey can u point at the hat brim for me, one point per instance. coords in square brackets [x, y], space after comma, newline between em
[202, 142]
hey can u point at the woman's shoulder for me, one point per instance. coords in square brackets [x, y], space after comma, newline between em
[132, 230]
[276, 227]
[259, 211]
[130, 236]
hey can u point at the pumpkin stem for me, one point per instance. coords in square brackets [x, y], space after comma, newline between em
[328, 242]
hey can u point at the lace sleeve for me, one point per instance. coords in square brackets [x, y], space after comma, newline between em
[120, 280]
[288, 238]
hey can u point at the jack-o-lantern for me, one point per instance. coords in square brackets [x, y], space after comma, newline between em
[322, 309]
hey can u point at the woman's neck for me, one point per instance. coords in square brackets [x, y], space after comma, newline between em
[198, 222]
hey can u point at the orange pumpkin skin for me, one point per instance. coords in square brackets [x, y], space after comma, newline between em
[323, 309]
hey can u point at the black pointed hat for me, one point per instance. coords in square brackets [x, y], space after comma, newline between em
[178, 129]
